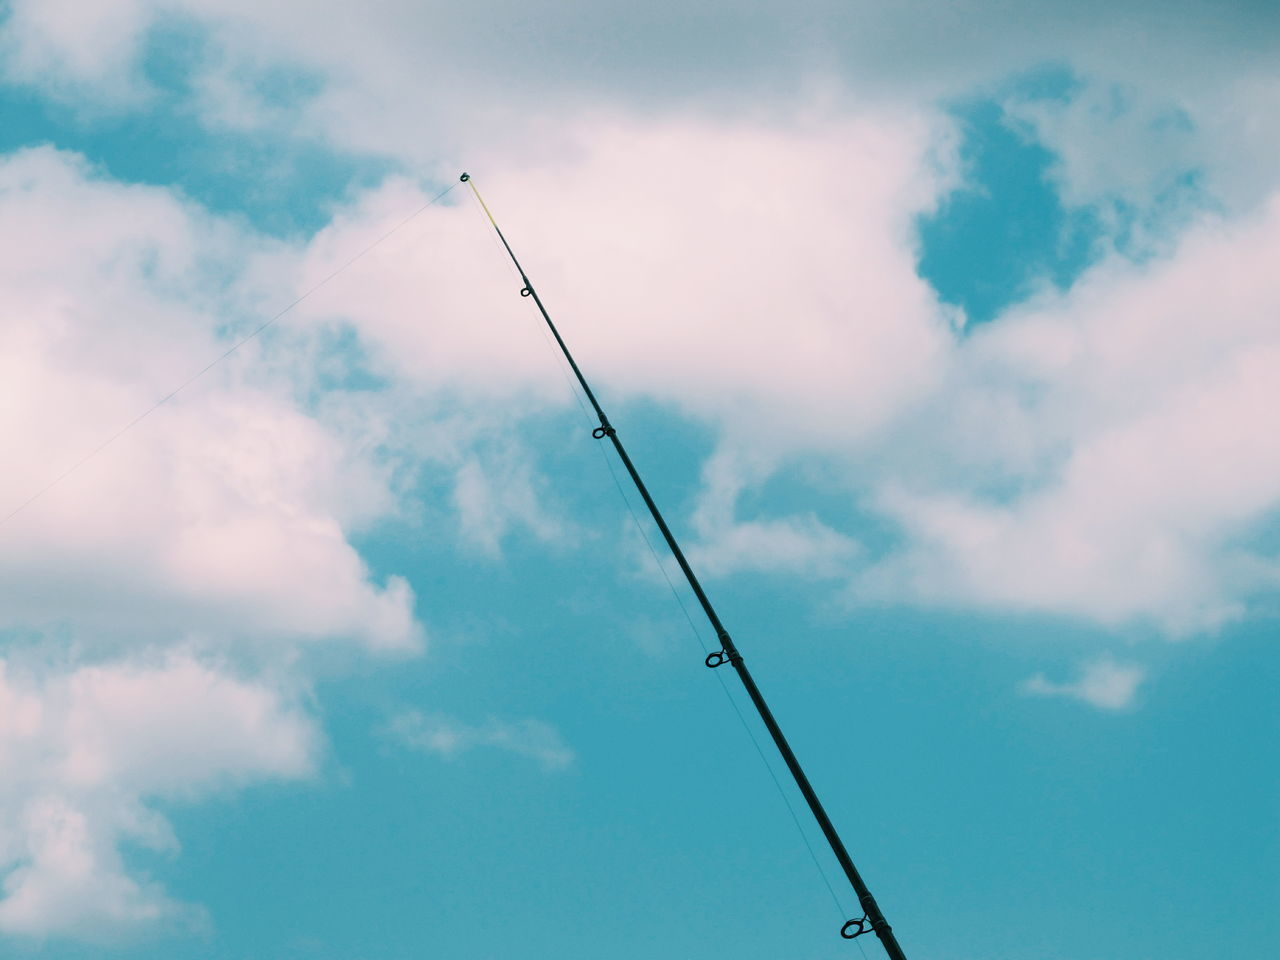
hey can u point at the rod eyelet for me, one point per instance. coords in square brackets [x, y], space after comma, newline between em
[856, 928]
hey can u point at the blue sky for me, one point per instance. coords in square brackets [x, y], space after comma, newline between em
[946, 340]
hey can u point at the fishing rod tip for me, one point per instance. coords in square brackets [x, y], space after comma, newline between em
[465, 177]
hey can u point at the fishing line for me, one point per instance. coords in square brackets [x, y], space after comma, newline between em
[561, 366]
[213, 363]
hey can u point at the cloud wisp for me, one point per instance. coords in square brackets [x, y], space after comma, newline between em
[450, 738]
[1103, 683]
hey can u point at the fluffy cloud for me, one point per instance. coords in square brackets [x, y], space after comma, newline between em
[226, 509]
[514, 74]
[219, 523]
[1074, 473]
[1145, 150]
[1074, 456]
[1112, 438]
[83, 751]
[760, 275]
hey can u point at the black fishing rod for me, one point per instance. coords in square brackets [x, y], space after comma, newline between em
[872, 920]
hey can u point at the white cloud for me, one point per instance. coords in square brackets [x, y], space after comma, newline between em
[1060, 459]
[1151, 151]
[225, 510]
[1103, 683]
[67, 46]
[1109, 444]
[513, 78]
[85, 750]
[761, 275]
[220, 523]
[448, 737]
[1092, 452]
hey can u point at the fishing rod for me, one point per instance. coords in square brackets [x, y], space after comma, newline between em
[872, 920]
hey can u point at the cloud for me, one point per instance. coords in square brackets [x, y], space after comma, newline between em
[512, 78]
[1138, 149]
[215, 533]
[1097, 452]
[448, 738]
[1075, 456]
[800, 544]
[226, 509]
[67, 47]
[758, 275]
[493, 498]
[1103, 683]
[1092, 452]
[85, 750]
[1150, 142]
[1060, 459]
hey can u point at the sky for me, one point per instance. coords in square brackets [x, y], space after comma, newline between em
[947, 335]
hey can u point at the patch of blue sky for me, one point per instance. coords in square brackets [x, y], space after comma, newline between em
[666, 445]
[1006, 230]
[282, 183]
